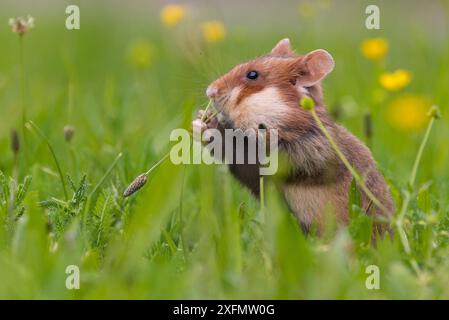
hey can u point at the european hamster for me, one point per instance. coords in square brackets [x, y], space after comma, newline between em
[266, 90]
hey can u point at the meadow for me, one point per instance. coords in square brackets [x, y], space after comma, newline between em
[83, 112]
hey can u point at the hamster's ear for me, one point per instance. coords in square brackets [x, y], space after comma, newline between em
[282, 48]
[313, 67]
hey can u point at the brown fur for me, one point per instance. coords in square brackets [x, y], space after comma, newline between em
[318, 179]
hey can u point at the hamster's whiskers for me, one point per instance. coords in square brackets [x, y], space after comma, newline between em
[221, 102]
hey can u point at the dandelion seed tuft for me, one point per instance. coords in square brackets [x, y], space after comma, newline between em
[21, 25]
[137, 184]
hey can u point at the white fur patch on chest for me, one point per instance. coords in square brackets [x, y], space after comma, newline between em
[263, 107]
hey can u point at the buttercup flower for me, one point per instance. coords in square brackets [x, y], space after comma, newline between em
[394, 81]
[172, 14]
[374, 48]
[213, 31]
[140, 54]
[21, 25]
[306, 9]
[408, 112]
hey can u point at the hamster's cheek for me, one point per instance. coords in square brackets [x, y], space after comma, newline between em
[231, 108]
[265, 107]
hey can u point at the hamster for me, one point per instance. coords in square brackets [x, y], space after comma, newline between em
[266, 91]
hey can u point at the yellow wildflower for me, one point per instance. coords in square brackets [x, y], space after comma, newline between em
[374, 48]
[213, 31]
[394, 81]
[140, 54]
[306, 9]
[172, 14]
[408, 112]
[21, 25]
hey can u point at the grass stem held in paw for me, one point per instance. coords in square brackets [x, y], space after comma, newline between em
[205, 110]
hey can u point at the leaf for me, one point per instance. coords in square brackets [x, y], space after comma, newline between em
[355, 198]
[101, 222]
[424, 187]
[52, 204]
[22, 190]
[4, 188]
[80, 195]
[360, 225]
[71, 183]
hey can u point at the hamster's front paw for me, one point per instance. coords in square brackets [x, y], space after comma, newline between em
[208, 118]
[198, 127]
[203, 122]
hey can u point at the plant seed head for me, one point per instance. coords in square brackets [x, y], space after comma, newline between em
[435, 112]
[368, 125]
[138, 183]
[15, 142]
[21, 25]
[69, 131]
[307, 103]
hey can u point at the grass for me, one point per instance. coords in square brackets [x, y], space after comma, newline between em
[193, 231]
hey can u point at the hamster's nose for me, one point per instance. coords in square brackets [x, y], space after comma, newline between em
[211, 91]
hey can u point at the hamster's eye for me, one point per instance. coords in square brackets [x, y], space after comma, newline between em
[252, 75]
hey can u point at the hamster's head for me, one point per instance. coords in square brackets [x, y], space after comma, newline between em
[266, 90]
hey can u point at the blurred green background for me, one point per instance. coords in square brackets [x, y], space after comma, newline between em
[127, 78]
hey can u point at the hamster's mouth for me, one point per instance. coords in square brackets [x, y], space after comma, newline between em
[220, 111]
[221, 102]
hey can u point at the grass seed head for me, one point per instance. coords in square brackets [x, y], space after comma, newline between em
[15, 142]
[368, 125]
[137, 184]
[69, 131]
